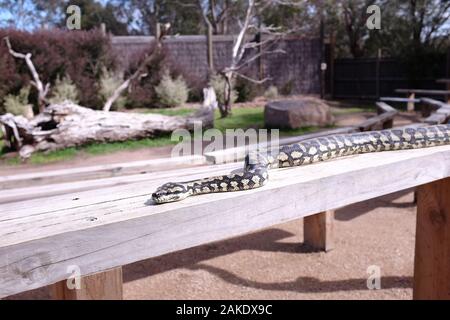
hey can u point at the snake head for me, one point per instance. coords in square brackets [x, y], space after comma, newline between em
[170, 192]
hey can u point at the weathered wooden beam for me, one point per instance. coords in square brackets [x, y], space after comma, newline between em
[21, 194]
[434, 103]
[101, 229]
[424, 91]
[238, 153]
[39, 178]
[383, 107]
[382, 121]
[318, 231]
[398, 99]
[105, 285]
[435, 118]
[432, 257]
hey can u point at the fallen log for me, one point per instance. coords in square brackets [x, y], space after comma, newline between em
[69, 125]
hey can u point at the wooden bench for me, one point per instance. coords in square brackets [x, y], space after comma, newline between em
[440, 113]
[409, 102]
[384, 119]
[411, 93]
[96, 232]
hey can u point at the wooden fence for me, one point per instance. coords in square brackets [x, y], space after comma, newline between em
[371, 78]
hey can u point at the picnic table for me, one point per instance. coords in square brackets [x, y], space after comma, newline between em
[92, 234]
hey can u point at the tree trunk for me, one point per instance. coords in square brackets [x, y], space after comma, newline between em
[69, 125]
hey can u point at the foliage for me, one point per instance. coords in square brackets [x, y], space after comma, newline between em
[109, 82]
[28, 14]
[95, 13]
[271, 93]
[142, 92]
[79, 55]
[246, 90]
[172, 112]
[287, 87]
[218, 84]
[142, 16]
[64, 89]
[172, 92]
[16, 104]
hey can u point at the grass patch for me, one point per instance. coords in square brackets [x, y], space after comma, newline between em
[172, 112]
[52, 156]
[92, 149]
[240, 118]
[254, 118]
[102, 148]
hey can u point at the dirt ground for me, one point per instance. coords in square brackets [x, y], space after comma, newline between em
[273, 263]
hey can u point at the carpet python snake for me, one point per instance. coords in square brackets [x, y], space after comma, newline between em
[257, 164]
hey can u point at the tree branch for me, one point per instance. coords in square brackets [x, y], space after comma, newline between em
[251, 79]
[37, 83]
[139, 71]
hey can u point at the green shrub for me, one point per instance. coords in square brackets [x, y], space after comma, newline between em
[172, 92]
[247, 90]
[109, 82]
[17, 104]
[64, 89]
[271, 93]
[287, 88]
[218, 84]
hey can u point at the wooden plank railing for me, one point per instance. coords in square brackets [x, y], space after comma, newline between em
[99, 230]
[441, 113]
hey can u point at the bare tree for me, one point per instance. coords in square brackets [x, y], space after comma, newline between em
[242, 44]
[37, 83]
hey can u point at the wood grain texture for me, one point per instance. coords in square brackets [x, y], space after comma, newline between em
[21, 194]
[239, 153]
[106, 285]
[110, 227]
[318, 231]
[432, 258]
[97, 172]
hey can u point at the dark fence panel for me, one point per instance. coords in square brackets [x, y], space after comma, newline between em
[370, 78]
[297, 68]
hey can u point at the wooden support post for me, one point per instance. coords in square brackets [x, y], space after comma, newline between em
[411, 104]
[432, 257]
[318, 231]
[388, 124]
[448, 96]
[105, 285]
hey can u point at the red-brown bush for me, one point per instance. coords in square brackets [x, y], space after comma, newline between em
[79, 54]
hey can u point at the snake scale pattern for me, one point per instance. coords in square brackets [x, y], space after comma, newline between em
[257, 164]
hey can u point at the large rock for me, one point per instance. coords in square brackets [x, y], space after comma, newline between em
[294, 114]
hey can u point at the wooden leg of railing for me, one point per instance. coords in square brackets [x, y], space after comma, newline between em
[106, 285]
[388, 124]
[432, 257]
[411, 104]
[318, 231]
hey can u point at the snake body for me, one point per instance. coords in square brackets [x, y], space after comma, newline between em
[257, 164]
